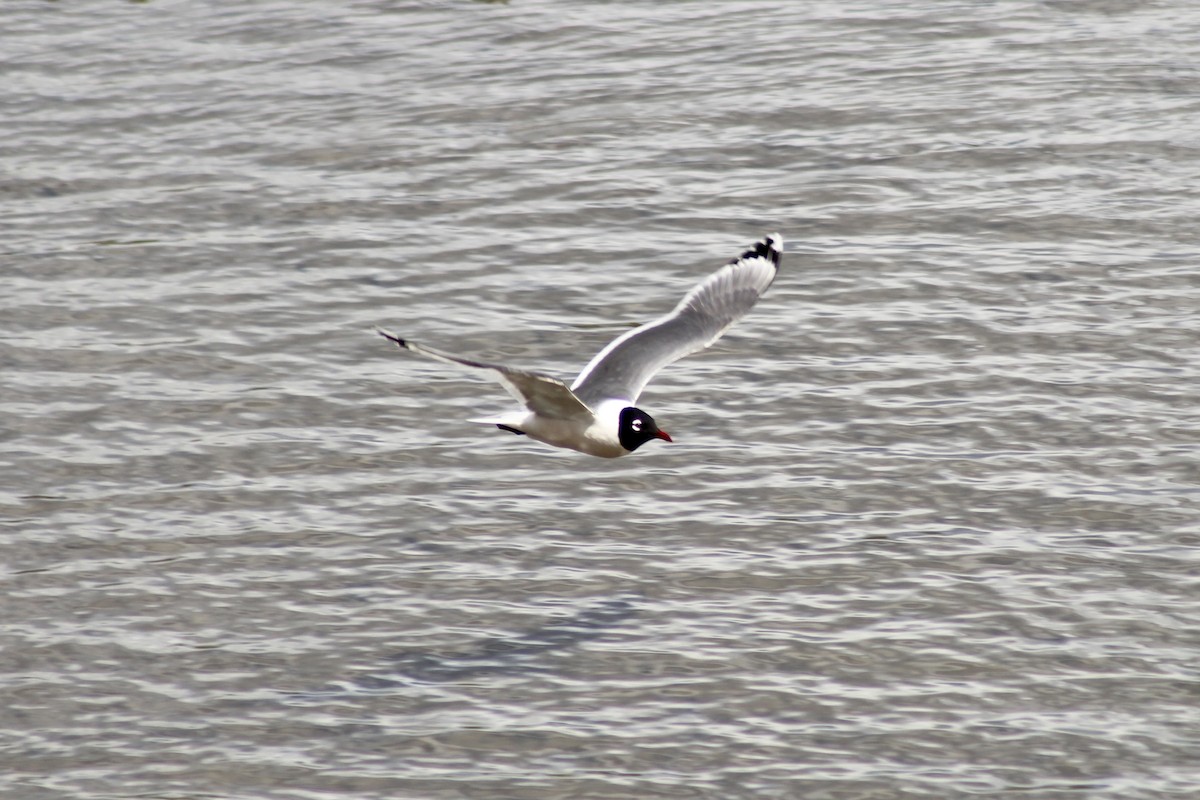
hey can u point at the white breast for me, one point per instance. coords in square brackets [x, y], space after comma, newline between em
[596, 437]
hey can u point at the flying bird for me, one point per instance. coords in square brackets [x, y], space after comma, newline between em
[597, 414]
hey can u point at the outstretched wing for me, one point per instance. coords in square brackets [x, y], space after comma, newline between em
[626, 365]
[539, 393]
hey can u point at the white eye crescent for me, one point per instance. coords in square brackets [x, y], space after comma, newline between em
[636, 424]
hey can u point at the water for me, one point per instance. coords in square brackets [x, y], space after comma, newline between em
[931, 522]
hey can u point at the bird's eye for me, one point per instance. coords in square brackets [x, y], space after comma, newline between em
[636, 424]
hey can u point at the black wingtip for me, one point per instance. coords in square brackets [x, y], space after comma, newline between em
[770, 248]
[392, 338]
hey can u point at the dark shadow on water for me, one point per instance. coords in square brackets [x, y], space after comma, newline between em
[521, 653]
[516, 653]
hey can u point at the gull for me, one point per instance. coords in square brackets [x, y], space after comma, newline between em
[597, 414]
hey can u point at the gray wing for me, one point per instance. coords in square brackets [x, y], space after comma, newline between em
[626, 365]
[539, 393]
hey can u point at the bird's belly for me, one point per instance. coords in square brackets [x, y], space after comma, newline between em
[585, 438]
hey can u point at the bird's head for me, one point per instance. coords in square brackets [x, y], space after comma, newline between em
[636, 427]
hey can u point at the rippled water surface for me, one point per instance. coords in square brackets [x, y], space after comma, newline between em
[930, 526]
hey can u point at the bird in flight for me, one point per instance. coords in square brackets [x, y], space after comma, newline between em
[597, 414]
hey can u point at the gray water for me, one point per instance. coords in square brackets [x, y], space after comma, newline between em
[930, 525]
